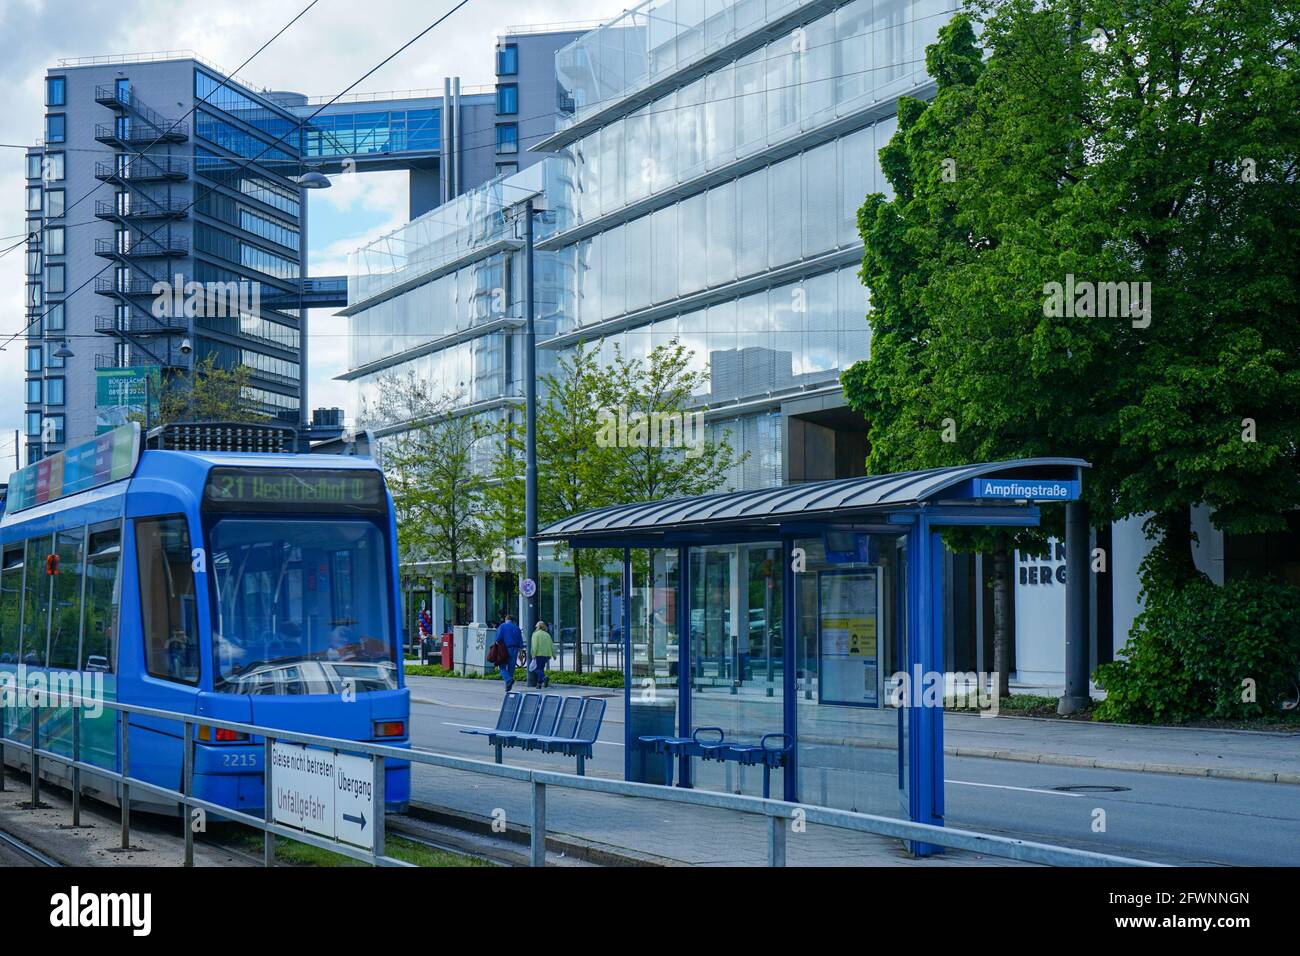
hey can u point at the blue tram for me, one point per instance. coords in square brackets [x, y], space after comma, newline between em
[251, 587]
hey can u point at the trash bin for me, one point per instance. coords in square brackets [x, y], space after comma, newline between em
[651, 718]
[448, 643]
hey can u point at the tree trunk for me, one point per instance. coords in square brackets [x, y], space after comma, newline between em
[577, 594]
[1177, 545]
[1001, 628]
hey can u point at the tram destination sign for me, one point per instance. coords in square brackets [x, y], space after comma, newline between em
[282, 489]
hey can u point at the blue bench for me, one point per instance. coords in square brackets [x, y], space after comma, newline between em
[704, 745]
[551, 724]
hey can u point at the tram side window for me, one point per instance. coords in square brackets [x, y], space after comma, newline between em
[65, 621]
[168, 608]
[103, 587]
[36, 601]
[11, 587]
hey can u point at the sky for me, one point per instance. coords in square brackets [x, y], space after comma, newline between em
[332, 45]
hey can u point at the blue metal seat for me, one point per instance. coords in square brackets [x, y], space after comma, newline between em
[505, 720]
[769, 757]
[525, 724]
[581, 743]
[546, 723]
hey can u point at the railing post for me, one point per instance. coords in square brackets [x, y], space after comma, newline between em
[187, 789]
[126, 787]
[537, 839]
[775, 841]
[36, 761]
[268, 812]
[76, 768]
[3, 710]
[377, 769]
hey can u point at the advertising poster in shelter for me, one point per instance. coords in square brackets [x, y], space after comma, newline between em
[848, 636]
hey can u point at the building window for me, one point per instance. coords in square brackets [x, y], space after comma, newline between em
[507, 169]
[54, 203]
[34, 194]
[34, 262]
[52, 167]
[33, 391]
[52, 360]
[56, 91]
[34, 359]
[53, 430]
[34, 298]
[54, 241]
[33, 424]
[507, 137]
[508, 99]
[56, 128]
[54, 280]
[33, 165]
[54, 317]
[54, 391]
[507, 60]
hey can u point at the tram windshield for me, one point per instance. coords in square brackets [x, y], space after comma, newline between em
[303, 606]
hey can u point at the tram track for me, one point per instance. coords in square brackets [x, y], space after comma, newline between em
[10, 845]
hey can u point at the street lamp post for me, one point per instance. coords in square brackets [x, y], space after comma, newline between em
[310, 179]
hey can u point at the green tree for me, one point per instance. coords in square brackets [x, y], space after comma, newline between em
[573, 468]
[672, 456]
[438, 470]
[1092, 145]
[208, 393]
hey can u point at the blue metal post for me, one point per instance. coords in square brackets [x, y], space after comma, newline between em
[684, 656]
[530, 434]
[627, 664]
[925, 657]
[789, 648]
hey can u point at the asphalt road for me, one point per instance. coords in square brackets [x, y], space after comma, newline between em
[1172, 819]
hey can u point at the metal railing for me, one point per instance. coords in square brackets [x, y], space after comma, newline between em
[775, 812]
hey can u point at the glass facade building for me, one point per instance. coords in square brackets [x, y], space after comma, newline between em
[706, 168]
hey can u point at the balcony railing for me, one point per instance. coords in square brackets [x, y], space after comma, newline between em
[150, 247]
[109, 285]
[145, 169]
[170, 207]
[136, 133]
[141, 325]
[112, 361]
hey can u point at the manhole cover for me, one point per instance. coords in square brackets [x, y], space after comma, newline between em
[1091, 788]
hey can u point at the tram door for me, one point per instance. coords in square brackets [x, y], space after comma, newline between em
[169, 625]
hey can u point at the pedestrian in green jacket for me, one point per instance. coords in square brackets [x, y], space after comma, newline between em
[542, 648]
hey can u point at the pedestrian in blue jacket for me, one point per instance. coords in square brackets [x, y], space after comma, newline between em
[514, 640]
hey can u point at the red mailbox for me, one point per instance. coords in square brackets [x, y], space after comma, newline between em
[448, 642]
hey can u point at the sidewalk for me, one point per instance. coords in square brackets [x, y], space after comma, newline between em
[1249, 755]
[1186, 751]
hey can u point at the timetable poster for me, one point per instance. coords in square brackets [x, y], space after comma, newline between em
[849, 636]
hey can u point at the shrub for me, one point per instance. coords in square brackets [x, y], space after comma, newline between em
[1196, 644]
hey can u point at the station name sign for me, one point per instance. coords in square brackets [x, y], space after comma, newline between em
[1022, 489]
[279, 489]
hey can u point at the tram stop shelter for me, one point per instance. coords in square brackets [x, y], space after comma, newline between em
[803, 626]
